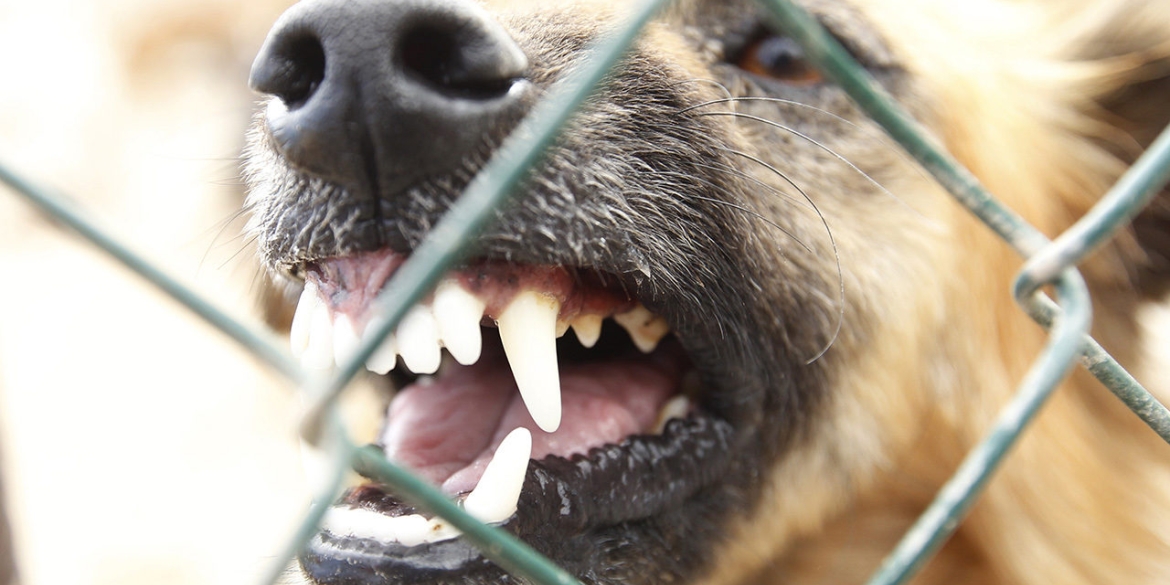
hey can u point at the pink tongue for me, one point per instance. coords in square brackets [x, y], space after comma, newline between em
[448, 428]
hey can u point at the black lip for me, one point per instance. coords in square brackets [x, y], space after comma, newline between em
[563, 501]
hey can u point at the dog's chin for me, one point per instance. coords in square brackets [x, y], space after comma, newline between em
[574, 511]
[630, 437]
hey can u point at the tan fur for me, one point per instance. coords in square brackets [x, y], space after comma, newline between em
[1085, 496]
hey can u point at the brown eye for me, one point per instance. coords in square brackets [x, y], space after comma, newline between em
[779, 58]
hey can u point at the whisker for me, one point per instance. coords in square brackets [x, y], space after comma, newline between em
[741, 208]
[222, 227]
[775, 171]
[255, 284]
[731, 99]
[748, 177]
[855, 168]
[832, 242]
[874, 133]
[247, 243]
[757, 215]
[808, 139]
[718, 85]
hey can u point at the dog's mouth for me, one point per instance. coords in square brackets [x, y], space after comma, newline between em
[545, 399]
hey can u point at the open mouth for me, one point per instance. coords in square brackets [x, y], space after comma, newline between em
[560, 404]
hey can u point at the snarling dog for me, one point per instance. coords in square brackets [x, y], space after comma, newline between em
[785, 336]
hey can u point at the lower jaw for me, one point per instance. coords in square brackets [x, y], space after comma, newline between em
[564, 504]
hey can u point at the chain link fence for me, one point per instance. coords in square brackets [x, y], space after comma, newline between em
[1049, 263]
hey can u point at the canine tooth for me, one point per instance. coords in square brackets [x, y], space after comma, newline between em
[383, 358]
[495, 496]
[676, 407]
[645, 328]
[588, 329]
[493, 500]
[418, 341]
[318, 353]
[298, 336]
[345, 339]
[528, 332]
[458, 313]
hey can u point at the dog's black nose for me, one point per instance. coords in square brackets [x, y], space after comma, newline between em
[379, 94]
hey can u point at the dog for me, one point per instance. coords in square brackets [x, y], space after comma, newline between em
[785, 336]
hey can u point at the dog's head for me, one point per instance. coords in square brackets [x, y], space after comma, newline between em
[801, 306]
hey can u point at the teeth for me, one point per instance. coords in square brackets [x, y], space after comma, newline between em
[528, 329]
[588, 329]
[494, 498]
[677, 407]
[383, 358]
[345, 339]
[311, 336]
[418, 341]
[492, 501]
[299, 335]
[645, 328]
[409, 530]
[318, 354]
[458, 313]
[528, 332]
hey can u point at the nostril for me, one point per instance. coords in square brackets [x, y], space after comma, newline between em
[293, 70]
[454, 62]
[429, 54]
[358, 87]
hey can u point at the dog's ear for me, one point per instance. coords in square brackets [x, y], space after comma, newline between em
[1130, 44]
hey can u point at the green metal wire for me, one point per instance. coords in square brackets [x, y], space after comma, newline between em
[450, 238]
[1106, 369]
[942, 517]
[1070, 322]
[488, 191]
[259, 342]
[419, 274]
[1136, 188]
[1124, 200]
[343, 459]
[509, 552]
[831, 58]
[505, 550]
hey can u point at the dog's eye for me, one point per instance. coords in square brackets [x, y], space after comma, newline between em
[777, 57]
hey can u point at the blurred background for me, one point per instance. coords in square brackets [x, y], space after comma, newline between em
[137, 445]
